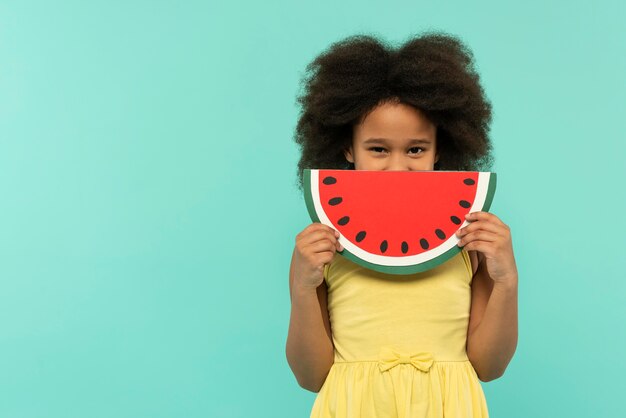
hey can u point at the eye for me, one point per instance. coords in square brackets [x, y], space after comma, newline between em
[416, 150]
[377, 149]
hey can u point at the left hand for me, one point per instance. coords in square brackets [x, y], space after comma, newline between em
[487, 234]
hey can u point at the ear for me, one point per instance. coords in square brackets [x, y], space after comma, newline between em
[436, 158]
[349, 154]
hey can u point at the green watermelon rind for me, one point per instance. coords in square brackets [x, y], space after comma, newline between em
[308, 198]
[398, 270]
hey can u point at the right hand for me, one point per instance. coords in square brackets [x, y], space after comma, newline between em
[315, 247]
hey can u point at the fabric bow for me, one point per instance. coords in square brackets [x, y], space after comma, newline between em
[389, 358]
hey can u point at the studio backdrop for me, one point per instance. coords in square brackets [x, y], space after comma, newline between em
[149, 205]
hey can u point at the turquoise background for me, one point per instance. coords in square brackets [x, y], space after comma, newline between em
[149, 207]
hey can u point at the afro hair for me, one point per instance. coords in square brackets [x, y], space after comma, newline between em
[433, 72]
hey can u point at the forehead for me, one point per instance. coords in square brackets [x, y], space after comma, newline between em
[395, 121]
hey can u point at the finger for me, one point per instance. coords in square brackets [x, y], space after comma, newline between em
[482, 225]
[316, 226]
[316, 235]
[478, 236]
[480, 216]
[326, 256]
[321, 234]
[480, 246]
[322, 246]
[335, 241]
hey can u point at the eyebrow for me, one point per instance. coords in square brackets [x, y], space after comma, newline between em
[383, 140]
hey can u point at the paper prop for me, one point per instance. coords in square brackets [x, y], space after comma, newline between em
[397, 222]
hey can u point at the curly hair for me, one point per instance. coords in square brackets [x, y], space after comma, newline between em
[433, 72]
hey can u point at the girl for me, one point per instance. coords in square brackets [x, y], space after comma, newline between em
[414, 346]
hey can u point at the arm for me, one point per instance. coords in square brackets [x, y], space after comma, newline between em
[492, 334]
[493, 329]
[309, 343]
[310, 351]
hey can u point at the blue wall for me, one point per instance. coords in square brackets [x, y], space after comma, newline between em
[149, 207]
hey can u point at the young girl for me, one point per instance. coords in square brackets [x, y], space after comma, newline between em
[413, 346]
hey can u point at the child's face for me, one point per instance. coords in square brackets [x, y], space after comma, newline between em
[395, 137]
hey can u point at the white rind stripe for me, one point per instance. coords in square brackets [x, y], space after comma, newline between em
[479, 201]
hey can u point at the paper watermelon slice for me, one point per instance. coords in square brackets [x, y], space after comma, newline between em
[397, 222]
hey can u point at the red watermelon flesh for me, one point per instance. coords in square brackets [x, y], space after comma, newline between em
[401, 221]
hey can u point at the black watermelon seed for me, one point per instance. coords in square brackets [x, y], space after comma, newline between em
[335, 201]
[469, 182]
[343, 220]
[329, 180]
[424, 243]
[383, 246]
[360, 236]
[405, 247]
[440, 233]
[455, 220]
[465, 204]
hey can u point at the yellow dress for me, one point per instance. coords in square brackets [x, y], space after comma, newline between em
[400, 344]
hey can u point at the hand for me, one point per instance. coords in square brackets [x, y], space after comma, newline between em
[315, 247]
[487, 234]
